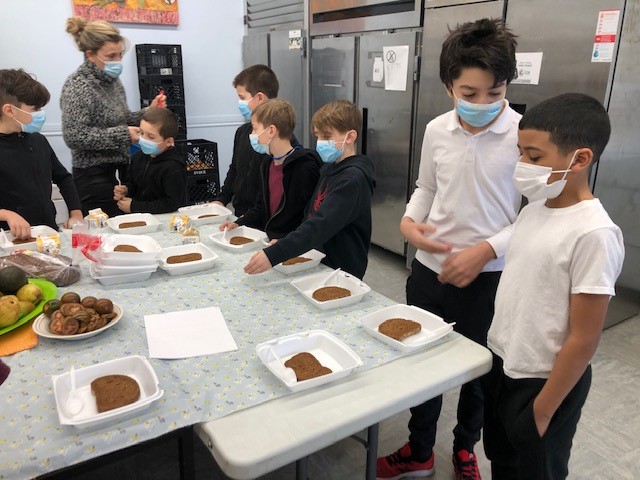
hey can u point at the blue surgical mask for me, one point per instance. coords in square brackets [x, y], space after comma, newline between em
[258, 147]
[112, 69]
[328, 151]
[243, 106]
[478, 114]
[149, 146]
[37, 120]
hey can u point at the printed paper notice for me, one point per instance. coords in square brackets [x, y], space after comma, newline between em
[605, 39]
[528, 65]
[396, 65]
[295, 39]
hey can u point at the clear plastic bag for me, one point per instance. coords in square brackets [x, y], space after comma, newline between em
[55, 268]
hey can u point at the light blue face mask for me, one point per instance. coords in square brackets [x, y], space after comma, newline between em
[36, 123]
[149, 146]
[478, 114]
[328, 151]
[257, 146]
[243, 106]
[112, 69]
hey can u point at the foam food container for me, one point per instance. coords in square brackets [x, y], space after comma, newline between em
[208, 259]
[315, 256]
[134, 366]
[109, 280]
[328, 350]
[152, 223]
[193, 212]
[310, 283]
[36, 231]
[149, 247]
[257, 235]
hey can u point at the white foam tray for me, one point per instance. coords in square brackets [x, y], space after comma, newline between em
[433, 327]
[149, 256]
[36, 231]
[310, 283]
[152, 223]
[120, 279]
[258, 237]
[194, 211]
[102, 270]
[315, 256]
[134, 366]
[328, 350]
[208, 259]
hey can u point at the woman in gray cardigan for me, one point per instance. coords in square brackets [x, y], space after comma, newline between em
[97, 124]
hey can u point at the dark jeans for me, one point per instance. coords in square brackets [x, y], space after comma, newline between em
[472, 310]
[95, 187]
[511, 439]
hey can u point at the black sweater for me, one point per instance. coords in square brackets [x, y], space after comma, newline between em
[243, 178]
[300, 173]
[338, 218]
[28, 165]
[157, 185]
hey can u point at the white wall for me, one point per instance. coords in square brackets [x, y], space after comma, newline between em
[33, 37]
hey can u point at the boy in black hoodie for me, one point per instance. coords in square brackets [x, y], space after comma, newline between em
[338, 217]
[157, 175]
[287, 180]
[28, 164]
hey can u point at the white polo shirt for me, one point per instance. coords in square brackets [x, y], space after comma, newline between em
[465, 186]
[553, 253]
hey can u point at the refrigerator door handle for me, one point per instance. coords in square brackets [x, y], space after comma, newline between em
[365, 125]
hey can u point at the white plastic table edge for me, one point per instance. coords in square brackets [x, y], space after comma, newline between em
[263, 438]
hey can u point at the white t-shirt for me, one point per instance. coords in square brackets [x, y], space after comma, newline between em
[465, 185]
[553, 253]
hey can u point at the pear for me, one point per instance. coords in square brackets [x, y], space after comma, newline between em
[10, 310]
[26, 308]
[30, 293]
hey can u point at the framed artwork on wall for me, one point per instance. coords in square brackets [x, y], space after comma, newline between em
[159, 12]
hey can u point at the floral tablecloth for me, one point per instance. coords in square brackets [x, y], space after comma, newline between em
[199, 389]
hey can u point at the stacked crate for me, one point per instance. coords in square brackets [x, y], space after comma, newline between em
[203, 177]
[160, 69]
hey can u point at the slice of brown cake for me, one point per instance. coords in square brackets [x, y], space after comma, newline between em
[306, 366]
[330, 293]
[132, 224]
[240, 240]
[295, 260]
[114, 391]
[126, 248]
[399, 328]
[187, 257]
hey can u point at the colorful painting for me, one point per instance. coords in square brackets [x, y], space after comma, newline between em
[162, 12]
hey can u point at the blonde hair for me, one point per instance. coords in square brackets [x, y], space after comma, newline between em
[92, 35]
[277, 112]
[339, 115]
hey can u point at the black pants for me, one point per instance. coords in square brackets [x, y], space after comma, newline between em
[511, 439]
[95, 187]
[472, 310]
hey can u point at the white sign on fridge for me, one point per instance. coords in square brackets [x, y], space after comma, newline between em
[605, 39]
[528, 65]
[396, 65]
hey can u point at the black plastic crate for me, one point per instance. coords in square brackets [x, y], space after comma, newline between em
[181, 118]
[158, 56]
[199, 155]
[151, 85]
[202, 188]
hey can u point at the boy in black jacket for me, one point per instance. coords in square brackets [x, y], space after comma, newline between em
[157, 175]
[338, 217]
[28, 164]
[287, 180]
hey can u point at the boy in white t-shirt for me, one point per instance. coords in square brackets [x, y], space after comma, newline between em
[562, 263]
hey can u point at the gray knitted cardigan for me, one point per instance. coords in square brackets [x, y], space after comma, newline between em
[95, 117]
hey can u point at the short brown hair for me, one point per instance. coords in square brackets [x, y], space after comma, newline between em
[258, 78]
[277, 112]
[339, 115]
[19, 87]
[92, 35]
[164, 119]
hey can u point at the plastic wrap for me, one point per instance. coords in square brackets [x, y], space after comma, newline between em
[55, 268]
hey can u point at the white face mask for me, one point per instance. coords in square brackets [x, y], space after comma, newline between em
[531, 180]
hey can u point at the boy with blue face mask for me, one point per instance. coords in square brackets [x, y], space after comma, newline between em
[28, 164]
[458, 218]
[157, 174]
[561, 267]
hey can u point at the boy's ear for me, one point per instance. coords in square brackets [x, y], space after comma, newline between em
[449, 90]
[583, 159]
[261, 97]
[352, 136]
[170, 142]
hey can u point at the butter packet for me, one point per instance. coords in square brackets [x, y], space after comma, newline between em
[179, 223]
[97, 218]
[49, 244]
[190, 235]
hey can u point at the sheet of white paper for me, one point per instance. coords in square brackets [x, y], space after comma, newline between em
[396, 65]
[189, 333]
[529, 65]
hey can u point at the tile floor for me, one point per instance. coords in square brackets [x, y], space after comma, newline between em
[606, 446]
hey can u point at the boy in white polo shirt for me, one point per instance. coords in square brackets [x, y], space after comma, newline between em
[459, 217]
[561, 266]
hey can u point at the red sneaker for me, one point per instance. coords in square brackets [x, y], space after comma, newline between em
[466, 465]
[401, 464]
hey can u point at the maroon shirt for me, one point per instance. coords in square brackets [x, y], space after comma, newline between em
[276, 189]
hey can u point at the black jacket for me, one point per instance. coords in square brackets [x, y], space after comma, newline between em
[243, 178]
[28, 165]
[338, 218]
[157, 185]
[300, 173]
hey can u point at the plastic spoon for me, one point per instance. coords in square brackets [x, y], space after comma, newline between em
[3, 236]
[118, 176]
[287, 374]
[74, 402]
[330, 276]
[224, 234]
